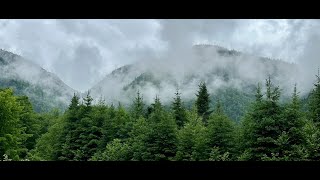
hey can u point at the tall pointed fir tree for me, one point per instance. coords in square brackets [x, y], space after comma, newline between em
[70, 133]
[89, 130]
[179, 111]
[192, 144]
[311, 130]
[161, 141]
[263, 125]
[290, 142]
[203, 102]
[221, 133]
[138, 106]
[12, 133]
[29, 122]
[314, 103]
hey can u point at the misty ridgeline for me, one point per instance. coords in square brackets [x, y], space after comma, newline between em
[220, 105]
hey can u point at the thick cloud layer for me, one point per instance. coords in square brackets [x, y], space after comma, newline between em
[82, 52]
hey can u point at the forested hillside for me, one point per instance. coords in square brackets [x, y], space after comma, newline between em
[44, 89]
[231, 76]
[267, 130]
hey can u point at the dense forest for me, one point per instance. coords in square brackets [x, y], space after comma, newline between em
[269, 130]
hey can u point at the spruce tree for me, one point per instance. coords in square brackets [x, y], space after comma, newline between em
[161, 141]
[203, 102]
[138, 139]
[262, 125]
[221, 131]
[12, 132]
[290, 141]
[71, 131]
[87, 104]
[29, 122]
[179, 110]
[116, 150]
[314, 103]
[138, 106]
[192, 144]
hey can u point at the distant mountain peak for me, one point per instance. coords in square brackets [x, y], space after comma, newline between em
[44, 88]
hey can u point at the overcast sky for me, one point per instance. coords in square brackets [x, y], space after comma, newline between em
[82, 52]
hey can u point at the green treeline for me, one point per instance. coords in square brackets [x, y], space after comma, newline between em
[268, 131]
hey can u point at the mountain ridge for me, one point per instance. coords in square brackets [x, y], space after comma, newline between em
[45, 89]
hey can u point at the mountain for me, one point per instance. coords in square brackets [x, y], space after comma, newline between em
[230, 75]
[45, 90]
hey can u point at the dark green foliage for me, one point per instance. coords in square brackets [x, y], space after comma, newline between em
[314, 103]
[203, 102]
[12, 132]
[161, 141]
[263, 124]
[142, 80]
[138, 107]
[138, 139]
[40, 100]
[221, 131]
[114, 151]
[312, 141]
[48, 146]
[29, 122]
[192, 142]
[179, 111]
[270, 130]
[292, 122]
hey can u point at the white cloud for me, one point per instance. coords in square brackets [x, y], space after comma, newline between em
[69, 47]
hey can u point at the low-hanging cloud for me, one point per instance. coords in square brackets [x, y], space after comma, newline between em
[82, 52]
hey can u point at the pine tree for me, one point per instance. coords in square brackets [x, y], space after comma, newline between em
[179, 110]
[290, 142]
[87, 104]
[29, 122]
[138, 107]
[314, 103]
[311, 134]
[48, 146]
[12, 132]
[203, 102]
[192, 142]
[114, 151]
[138, 138]
[221, 131]
[74, 102]
[71, 131]
[161, 142]
[259, 95]
[262, 125]
[115, 126]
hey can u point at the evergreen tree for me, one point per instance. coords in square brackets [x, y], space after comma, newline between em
[12, 133]
[161, 142]
[29, 122]
[203, 102]
[192, 142]
[87, 104]
[138, 106]
[314, 103]
[114, 151]
[138, 139]
[291, 140]
[179, 110]
[70, 142]
[48, 146]
[221, 131]
[117, 125]
[262, 126]
[311, 135]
